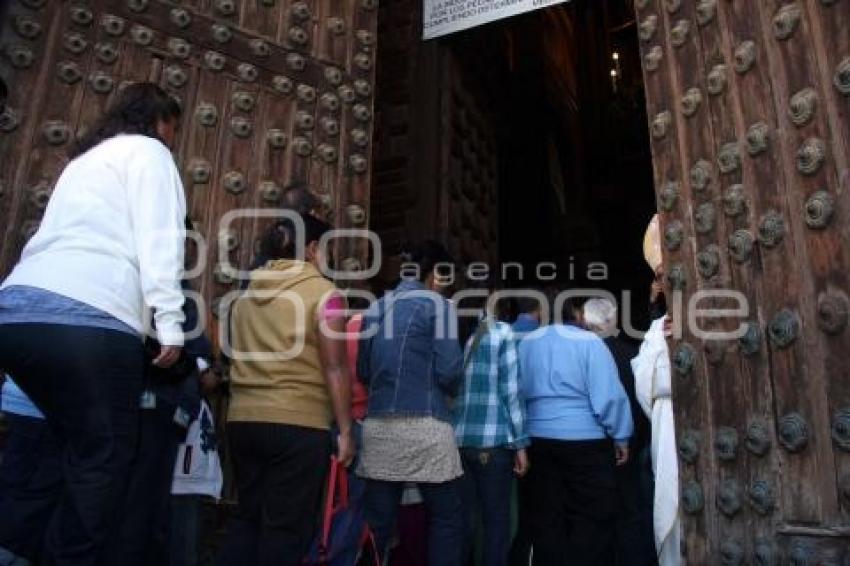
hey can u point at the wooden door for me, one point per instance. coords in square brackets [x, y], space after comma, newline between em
[749, 110]
[275, 94]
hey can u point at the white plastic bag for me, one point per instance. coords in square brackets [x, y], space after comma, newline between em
[197, 470]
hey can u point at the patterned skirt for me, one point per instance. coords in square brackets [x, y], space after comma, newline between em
[409, 449]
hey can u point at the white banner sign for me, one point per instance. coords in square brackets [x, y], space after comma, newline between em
[442, 17]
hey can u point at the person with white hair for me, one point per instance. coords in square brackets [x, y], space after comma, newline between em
[633, 545]
[600, 316]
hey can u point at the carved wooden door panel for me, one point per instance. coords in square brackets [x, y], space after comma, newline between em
[275, 93]
[749, 105]
[469, 209]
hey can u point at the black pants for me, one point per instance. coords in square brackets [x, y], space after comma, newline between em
[574, 496]
[520, 553]
[280, 475]
[87, 382]
[141, 536]
[184, 537]
[30, 484]
[635, 541]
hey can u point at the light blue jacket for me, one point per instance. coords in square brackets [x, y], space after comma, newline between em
[571, 386]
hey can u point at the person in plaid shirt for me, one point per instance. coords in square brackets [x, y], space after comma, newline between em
[490, 432]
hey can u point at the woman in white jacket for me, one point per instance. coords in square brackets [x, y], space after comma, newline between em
[72, 313]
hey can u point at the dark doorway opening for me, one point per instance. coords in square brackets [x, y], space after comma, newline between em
[519, 142]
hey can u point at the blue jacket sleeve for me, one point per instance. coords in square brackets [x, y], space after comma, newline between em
[608, 400]
[448, 356]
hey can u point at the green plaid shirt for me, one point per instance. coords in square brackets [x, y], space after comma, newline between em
[489, 412]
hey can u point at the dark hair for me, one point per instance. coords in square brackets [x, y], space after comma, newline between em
[427, 255]
[298, 197]
[528, 305]
[278, 242]
[571, 306]
[137, 110]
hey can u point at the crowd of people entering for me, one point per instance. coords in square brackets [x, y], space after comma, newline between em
[527, 441]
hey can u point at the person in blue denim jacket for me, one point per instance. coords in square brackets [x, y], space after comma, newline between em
[410, 360]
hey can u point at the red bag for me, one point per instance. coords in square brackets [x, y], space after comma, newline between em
[346, 539]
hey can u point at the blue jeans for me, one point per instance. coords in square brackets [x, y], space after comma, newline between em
[487, 481]
[445, 517]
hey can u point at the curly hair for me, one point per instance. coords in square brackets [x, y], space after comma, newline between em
[137, 110]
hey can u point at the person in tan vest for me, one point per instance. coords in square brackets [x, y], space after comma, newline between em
[289, 382]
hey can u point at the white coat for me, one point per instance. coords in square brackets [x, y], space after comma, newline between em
[653, 388]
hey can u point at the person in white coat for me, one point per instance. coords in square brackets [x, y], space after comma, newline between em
[651, 368]
[73, 313]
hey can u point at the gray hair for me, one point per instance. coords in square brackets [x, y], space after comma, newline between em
[600, 316]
